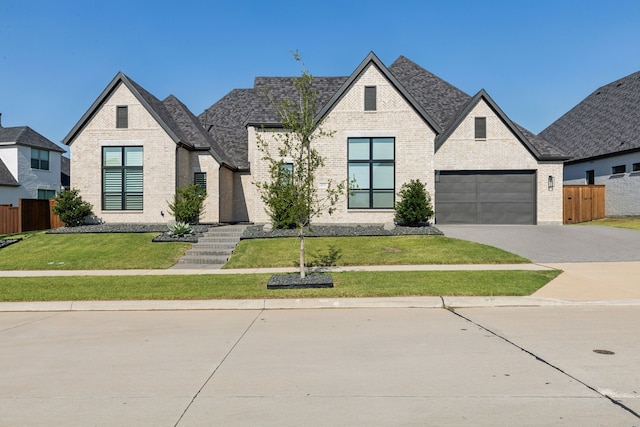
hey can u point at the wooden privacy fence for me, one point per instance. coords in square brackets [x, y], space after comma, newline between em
[29, 215]
[582, 203]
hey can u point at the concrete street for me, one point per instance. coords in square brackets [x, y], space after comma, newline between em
[385, 366]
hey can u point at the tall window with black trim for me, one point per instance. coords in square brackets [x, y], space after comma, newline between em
[200, 179]
[481, 128]
[122, 178]
[370, 98]
[122, 116]
[371, 171]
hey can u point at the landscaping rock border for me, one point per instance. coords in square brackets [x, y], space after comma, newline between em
[6, 242]
[294, 281]
[163, 229]
[256, 231]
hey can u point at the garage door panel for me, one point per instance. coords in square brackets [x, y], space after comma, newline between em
[485, 197]
[458, 213]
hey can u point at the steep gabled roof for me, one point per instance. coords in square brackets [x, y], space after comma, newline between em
[440, 99]
[24, 135]
[6, 177]
[539, 148]
[370, 60]
[607, 122]
[190, 129]
[226, 122]
[171, 114]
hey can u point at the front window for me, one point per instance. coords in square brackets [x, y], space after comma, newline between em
[122, 187]
[371, 172]
[39, 159]
[200, 179]
[46, 194]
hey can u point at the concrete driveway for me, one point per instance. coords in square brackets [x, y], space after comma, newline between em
[554, 244]
[357, 367]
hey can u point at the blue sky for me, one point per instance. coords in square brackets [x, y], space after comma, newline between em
[537, 59]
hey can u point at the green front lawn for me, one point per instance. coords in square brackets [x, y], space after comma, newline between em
[103, 251]
[352, 284]
[379, 250]
[632, 223]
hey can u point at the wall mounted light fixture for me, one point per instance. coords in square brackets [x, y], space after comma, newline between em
[551, 182]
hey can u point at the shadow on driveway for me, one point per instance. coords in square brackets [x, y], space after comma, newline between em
[554, 243]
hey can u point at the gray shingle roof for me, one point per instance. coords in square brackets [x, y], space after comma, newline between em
[24, 135]
[604, 123]
[440, 102]
[6, 177]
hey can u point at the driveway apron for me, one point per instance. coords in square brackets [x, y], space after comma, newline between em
[553, 243]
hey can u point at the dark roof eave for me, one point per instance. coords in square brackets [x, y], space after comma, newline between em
[602, 156]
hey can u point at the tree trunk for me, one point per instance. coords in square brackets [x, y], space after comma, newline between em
[302, 255]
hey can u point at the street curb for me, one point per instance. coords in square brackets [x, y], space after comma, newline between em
[305, 304]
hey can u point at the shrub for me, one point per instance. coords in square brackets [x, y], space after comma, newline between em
[180, 229]
[280, 197]
[414, 206]
[188, 204]
[70, 207]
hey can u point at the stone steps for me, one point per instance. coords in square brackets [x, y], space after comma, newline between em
[213, 249]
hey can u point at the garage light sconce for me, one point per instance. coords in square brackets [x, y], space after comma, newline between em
[551, 182]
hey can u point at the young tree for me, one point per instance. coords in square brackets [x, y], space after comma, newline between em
[291, 195]
[414, 206]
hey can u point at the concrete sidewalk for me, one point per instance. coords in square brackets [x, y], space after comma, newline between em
[581, 283]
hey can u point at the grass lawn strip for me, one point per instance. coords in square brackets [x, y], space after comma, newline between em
[253, 286]
[632, 223]
[376, 250]
[106, 251]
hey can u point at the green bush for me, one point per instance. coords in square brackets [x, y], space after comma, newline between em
[414, 206]
[70, 207]
[281, 198]
[188, 203]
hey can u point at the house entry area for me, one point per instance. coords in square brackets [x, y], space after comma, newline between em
[485, 197]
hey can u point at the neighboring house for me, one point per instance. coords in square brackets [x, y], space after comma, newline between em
[29, 165]
[130, 151]
[602, 135]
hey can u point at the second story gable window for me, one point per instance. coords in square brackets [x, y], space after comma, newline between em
[481, 128]
[39, 159]
[122, 117]
[370, 98]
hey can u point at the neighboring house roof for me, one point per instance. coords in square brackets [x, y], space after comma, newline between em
[605, 123]
[24, 135]
[176, 119]
[6, 177]
[440, 104]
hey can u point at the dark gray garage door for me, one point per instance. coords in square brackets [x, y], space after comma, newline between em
[485, 197]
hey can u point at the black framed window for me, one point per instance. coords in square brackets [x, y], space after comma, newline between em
[636, 167]
[122, 178]
[39, 159]
[46, 194]
[590, 177]
[122, 116]
[200, 179]
[481, 128]
[618, 169]
[369, 98]
[371, 173]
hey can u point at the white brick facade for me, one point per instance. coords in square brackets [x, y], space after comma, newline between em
[161, 159]
[501, 150]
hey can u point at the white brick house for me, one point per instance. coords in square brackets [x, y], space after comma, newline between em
[391, 125]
